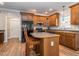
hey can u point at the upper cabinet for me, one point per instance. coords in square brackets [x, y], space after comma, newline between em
[54, 19]
[75, 14]
[38, 18]
[26, 16]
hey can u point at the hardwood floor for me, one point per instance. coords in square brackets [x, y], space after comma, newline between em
[15, 48]
[64, 51]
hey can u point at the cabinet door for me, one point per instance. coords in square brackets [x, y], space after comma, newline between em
[70, 40]
[74, 15]
[62, 38]
[54, 20]
[44, 20]
[78, 14]
[35, 19]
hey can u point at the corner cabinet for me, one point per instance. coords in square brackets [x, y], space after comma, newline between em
[75, 14]
[54, 19]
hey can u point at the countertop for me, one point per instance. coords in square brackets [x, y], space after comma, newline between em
[1, 31]
[43, 34]
[65, 29]
[71, 28]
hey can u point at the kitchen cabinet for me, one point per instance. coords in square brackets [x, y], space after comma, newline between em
[62, 38]
[38, 18]
[68, 38]
[75, 14]
[54, 19]
[27, 16]
[35, 19]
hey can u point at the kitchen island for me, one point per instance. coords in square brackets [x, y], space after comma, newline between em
[49, 43]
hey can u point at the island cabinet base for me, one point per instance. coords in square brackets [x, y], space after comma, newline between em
[49, 46]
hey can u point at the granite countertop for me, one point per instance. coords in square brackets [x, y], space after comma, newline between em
[1, 31]
[43, 34]
[73, 28]
[64, 29]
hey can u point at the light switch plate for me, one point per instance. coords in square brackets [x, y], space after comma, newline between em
[52, 43]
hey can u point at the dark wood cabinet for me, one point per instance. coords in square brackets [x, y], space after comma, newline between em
[1, 37]
[75, 14]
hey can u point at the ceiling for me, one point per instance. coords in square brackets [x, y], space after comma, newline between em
[41, 7]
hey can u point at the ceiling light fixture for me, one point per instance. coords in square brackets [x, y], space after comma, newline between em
[1, 3]
[34, 10]
[46, 12]
[50, 9]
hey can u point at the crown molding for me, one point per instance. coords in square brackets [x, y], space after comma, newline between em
[8, 10]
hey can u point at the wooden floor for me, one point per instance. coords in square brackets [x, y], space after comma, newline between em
[64, 51]
[15, 48]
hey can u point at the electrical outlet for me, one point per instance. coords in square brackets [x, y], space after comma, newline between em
[52, 43]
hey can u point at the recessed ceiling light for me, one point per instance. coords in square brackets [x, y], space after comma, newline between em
[34, 10]
[1, 3]
[46, 12]
[50, 9]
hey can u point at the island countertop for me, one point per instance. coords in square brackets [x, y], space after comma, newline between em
[43, 34]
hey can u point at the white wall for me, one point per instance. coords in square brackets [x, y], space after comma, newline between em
[5, 18]
[14, 25]
[2, 22]
[67, 16]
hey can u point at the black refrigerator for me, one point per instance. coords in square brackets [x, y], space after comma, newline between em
[29, 26]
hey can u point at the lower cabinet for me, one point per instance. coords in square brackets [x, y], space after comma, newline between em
[62, 38]
[68, 38]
